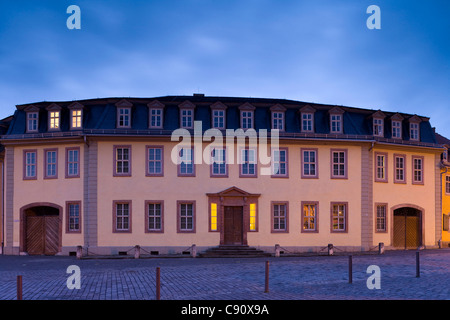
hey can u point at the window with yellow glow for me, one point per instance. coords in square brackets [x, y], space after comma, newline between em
[213, 216]
[76, 118]
[252, 216]
[54, 120]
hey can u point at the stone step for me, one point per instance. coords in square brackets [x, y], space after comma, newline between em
[228, 251]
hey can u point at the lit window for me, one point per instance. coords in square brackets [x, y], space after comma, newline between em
[76, 119]
[309, 216]
[54, 120]
[213, 220]
[252, 216]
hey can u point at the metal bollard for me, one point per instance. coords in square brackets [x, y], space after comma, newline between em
[417, 264]
[19, 288]
[79, 252]
[350, 269]
[330, 249]
[266, 286]
[158, 283]
[137, 252]
[381, 248]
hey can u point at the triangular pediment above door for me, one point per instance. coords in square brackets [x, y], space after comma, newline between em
[233, 192]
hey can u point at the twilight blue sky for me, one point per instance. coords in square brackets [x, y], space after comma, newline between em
[312, 50]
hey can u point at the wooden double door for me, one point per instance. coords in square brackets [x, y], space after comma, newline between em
[42, 234]
[233, 225]
[407, 228]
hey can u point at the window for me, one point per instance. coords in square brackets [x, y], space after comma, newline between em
[399, 168]
[280, 162]
[122, 216]
[213, 218]
[156, 118]
[51, 163]
[378, 127]
[186, 216]
[252, 225]
[396, 129]
[279, 217]
[123, 117]
[30, 164]
[381, 167]
[248, 163]
[445, 222]
[218, 162]
[73, 217]
[336, 123]
[155, 162]
[154, 216]
[218, 119]
[72, 162]
[309, 217]
[122, 161]
[414, 131]
[187, 116]
[246, 119]
[447, 184]
[338, 164]
[278, 120]
[32, 121]
[54, 120]
[339, 217]
[381, 218]
[417, 170]
[186, 166]
[309, 163]
[307, 122]
[76, 120]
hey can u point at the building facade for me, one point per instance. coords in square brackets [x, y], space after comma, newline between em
[109, 174]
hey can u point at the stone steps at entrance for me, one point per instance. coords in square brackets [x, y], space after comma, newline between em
[234, 251]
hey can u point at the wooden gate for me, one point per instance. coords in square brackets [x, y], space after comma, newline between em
[42, 235]
[233, 225]
[407, 228]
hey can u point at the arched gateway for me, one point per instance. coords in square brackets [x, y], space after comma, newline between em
[41, 228]
[407, 231]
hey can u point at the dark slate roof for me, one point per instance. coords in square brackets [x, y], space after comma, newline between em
[100, 114]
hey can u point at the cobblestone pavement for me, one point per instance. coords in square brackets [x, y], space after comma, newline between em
[290, 278]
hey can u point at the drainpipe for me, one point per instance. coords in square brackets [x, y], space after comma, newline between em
[442, 174]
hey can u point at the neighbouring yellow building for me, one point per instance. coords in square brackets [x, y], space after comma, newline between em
[168, 172]
[445, 178]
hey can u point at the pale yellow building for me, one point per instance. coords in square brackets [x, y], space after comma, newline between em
[101, 174]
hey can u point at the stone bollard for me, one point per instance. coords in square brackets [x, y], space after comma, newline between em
[381, 248]
[277, 250]
[330, 249]
[137, 252]
[79, 252]
[440, 244]
[194, 251]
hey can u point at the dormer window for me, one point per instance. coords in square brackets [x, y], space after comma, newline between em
[414, 128]
[336, 120]
[156, 114]
[187, 115]
[124, 114]
[76, 116]
[247, 116]
[32, 118]
[278, 119]
[378, 123]
[54, 117]
[218, 115]
[307, 118]
[396, 123]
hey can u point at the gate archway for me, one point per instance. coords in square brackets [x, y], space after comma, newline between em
[41, 229]
[407, 227]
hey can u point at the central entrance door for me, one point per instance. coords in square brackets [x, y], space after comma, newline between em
[233, 221]
[407, 228]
